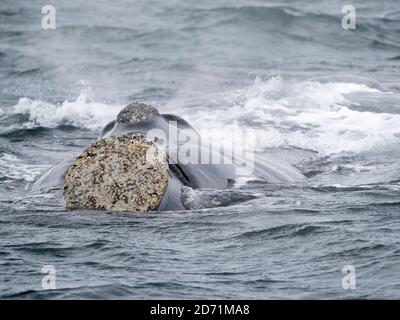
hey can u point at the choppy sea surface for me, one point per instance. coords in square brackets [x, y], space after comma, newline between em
[324, 98]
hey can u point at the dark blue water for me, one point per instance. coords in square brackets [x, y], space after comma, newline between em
[323, 98]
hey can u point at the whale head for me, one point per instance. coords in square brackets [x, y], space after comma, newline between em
[135, 113]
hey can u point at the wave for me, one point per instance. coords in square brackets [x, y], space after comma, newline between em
[289, 230]
[326, 117]
[83, 112]
[207, 198]
[310, 115]
[22, 132]
[267, 12]
[302, 23]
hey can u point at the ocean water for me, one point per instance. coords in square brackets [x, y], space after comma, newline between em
[324, 98]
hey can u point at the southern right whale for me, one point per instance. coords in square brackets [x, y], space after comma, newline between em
[144, 126]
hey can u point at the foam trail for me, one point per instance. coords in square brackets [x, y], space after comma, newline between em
[13, 168]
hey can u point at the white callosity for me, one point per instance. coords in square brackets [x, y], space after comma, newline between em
[117, 174]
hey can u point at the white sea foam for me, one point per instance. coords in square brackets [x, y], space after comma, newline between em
[14, 168]
[83, 112]
[307, 114]
[243, 180]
